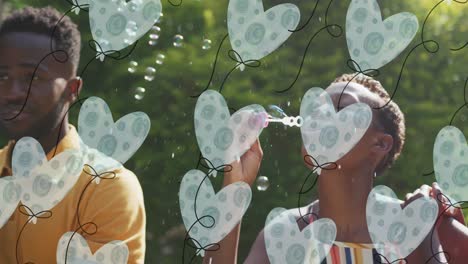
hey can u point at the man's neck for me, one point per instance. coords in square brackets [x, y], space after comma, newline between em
[50, 140]
[343, 198]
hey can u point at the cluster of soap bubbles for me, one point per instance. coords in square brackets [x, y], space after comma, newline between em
[150, 72]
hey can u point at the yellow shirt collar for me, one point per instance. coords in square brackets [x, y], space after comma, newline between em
[70, 141]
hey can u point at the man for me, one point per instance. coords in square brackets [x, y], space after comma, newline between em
[115, 206]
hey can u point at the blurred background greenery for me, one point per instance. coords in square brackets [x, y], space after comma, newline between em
[431, 89]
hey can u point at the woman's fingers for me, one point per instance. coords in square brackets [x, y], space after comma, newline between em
[425, 189]
[408, 196]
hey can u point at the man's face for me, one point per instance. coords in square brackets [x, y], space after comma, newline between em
[48, 99]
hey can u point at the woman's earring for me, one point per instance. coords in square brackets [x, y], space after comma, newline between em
[375, 174]
[339, 166]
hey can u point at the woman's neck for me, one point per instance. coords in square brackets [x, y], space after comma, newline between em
[343, 198]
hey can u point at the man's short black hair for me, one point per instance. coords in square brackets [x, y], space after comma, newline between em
[43, 21]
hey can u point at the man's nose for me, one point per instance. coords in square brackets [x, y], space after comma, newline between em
[15, 92]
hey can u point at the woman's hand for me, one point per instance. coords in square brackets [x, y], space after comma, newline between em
[436, 193]
[246, 169]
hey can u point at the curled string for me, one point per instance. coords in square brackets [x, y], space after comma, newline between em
[81, 227]
[465, 104]
[197, 245]
[75, 5]
[326, 17]
[305, 53]
[427, 17]
[233, 55]
[315, 165]
[308, 20]
[199, 160]
[424, 26]
[354, 66]
[448, 204]
[378, 258]
[462, 47]
[53, 33]
[25, 210]
[403, 66]
[214, 67]
[176, 5]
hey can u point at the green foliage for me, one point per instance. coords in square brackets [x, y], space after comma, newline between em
[429, 92]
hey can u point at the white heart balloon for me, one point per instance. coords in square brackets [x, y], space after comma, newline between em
[117, 24]
[10, 191]
[38, 183]
[78, 252]
[451, 163]
[372, 43]
[223, 138]
[326, 134]
[217, 213]
[396, 232]
[255, 33]
[285, 243]
[118, 140]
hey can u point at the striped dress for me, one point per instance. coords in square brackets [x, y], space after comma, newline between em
[351, 253]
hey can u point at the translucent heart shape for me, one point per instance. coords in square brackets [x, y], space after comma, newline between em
[255, 33]
[38, 183]
[372, 43]
[451, 163]
[326, 134]
[118, 24]
[217, 213]
[285, 243]
[118, 140]
[78, 251]
[223, 138]
[396, 232]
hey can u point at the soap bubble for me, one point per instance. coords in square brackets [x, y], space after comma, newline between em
[154, 35]
[153, 39]
[155, 30]
[160, 59]
[132, 66]
[276, 111]
[139, 93]
[262, 183]
[149, 74]
[178, 39]
[206, 44]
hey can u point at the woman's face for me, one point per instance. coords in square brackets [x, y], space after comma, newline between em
[366, 152]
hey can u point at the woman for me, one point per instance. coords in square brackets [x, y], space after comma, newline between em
[350, 183]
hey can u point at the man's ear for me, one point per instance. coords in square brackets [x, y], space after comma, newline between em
[384, 144]
[74, 86]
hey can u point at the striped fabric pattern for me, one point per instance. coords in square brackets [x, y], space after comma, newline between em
[350, 253]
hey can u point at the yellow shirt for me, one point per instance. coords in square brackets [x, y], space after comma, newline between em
[115, 205]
